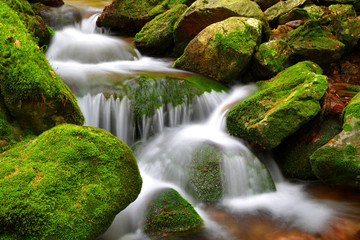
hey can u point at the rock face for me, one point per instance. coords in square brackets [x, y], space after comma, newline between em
[170, 214]
[204, 13]
[282, 7]
[223, 50]
[337, 162]
[156, 37]
[311, 42]
[281, 106]
[129, 16]
[31, 92]
[270, 58]
[69, 181]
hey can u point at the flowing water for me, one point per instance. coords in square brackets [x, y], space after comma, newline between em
[87, 58]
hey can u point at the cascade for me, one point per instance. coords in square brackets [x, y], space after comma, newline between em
[83, 57]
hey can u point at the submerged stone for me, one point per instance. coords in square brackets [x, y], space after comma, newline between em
[156, 37]
[69, 181]
[32, 93]
[280, 107]
[270, 58]
[338, 161]
[223, 50]
[204, 13]
[311, 42]
[169, 214]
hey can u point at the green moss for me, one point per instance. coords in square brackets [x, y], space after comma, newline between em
[345, 10]
[352, 110]
[31, 90]
[68, 183]
[169, 213]
[205, 180]
[348, 127]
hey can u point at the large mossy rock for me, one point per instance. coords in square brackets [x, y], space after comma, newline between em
[355, 3]
[156, 37]
[280, 107]
[294, 153]
[274, 12]
[169, 214]
[270, 58]
[204, 174]
[204, 13]
[312, 43]
[338, 161]
[31, 91]
[223, 50]
[68, 183]
[127, 16]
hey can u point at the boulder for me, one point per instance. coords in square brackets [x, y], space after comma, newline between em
[338, 161]
[169, 214]
[156, 37]
[265, 4]
[274, 12]
[280, 107]
[30, 89]
[69, 181]
[355, 3]
[349, 32]
[223, 50]
[345, 10]
[205, 173]
[270, 58]
[204, 13]
[128, 16]
[294, 14]
[311, 42]
[315, 12]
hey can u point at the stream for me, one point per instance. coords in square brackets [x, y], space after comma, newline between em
[88, 59]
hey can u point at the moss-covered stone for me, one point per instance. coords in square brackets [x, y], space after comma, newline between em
[204, 13]
[311, 42]
[345, 10]
[156, 37]
[274, 12]
[68, 183]
[170, 215]
[294, 14]
[32, 93]
[270, 58]
[314, 11]
[280, 107]
[223, 50]
[129, 16]
[355, 3]
[205, 181]
[338, 161]
[295, 152]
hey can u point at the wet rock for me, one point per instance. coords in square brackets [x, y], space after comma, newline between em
[270, 58]
[294, 153]
[293, 15]
[69, 181]
[349, 32]
[204, 13]
[127, 16]
[280, 33]
[265, 4]
[169, 215]
[338, 161]
[309, 41]
[273, 13]
[333, 105]
[314, 11]
[156, 37]
[223, 50]
[345, 10]
[280, 107]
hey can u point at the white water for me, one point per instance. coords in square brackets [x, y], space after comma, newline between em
[74, 54]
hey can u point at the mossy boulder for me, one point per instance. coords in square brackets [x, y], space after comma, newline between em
[347, 31]
[127, 16]
[169, 215]
[311, 42]
[270, 58]
[293, 15]
[314, 11]
[31, 91]
[355, 3]
[204, 13]
[294, 153]
[274, 12]
[280, 107]
[345, 10]
[156, 37]
[205, 181]
[223, 50]
[67, 183]
[338, 161]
